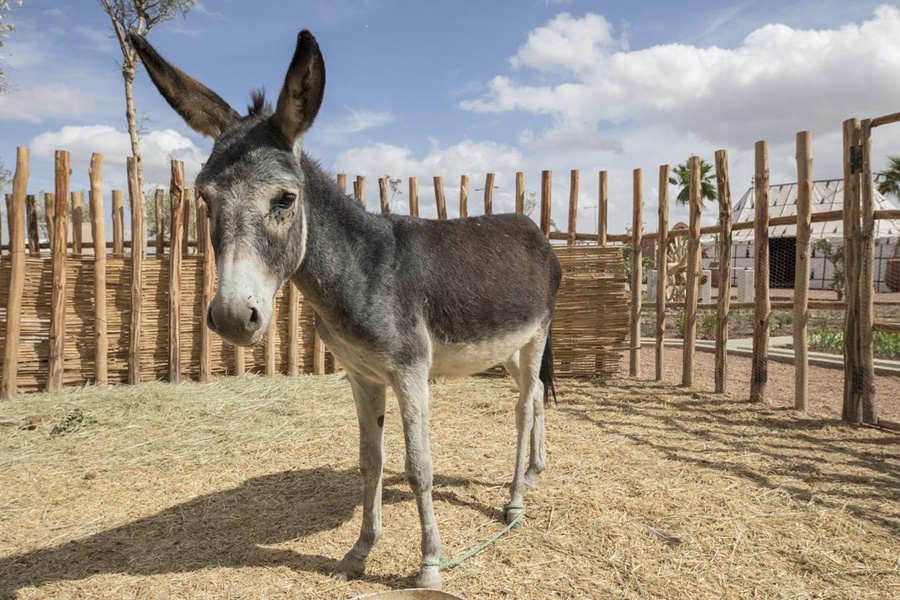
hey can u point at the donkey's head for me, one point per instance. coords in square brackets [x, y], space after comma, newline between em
[252, 183]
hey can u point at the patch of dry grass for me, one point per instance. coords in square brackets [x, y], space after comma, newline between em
[248, 488]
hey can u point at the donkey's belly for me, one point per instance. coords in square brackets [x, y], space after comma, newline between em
[459, 360]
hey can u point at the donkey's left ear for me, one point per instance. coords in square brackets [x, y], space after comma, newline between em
[304, 86]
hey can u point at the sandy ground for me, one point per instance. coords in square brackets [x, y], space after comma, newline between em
[247, 488]
[826, 385]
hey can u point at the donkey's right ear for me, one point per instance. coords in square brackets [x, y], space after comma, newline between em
[199, 106]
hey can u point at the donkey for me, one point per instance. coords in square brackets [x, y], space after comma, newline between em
[398, 300]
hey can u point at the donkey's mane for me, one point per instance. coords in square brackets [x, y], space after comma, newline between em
[259, 106]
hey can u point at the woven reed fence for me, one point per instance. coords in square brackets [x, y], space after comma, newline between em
[58, 334]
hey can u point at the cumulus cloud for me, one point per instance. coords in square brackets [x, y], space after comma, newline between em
[39, 102]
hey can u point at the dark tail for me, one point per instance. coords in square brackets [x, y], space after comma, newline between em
[546, 372]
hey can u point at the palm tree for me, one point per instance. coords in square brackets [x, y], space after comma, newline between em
[889, 179]
[681, 176]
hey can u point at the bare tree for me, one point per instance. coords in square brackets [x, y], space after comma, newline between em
[137, 16]
[5, 30]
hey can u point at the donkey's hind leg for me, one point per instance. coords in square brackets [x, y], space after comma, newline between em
[538, 458]
[527, 426]
[370, 400]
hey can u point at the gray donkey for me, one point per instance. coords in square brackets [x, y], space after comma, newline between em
[398, 300]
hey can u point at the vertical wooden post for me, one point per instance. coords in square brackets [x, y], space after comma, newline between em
[637, 259]
[16, 215]
[59, 253]
[489, 194]
[692, 290]
[293, 368]
[464, 196]
[852, 409]
[342, 181]
[98, 234]
[602, 204]
[270, 343]
[801, 275]
[49, 211]
[359, 189]
[159, 232]
[662, 265]
[413, 197]
[383, 193]
[867, 278]
[136, 196]
[520, 192]
[546, 200]
[204, 245]
[318, 356]
[176, 252]
[573, 207]
[77, 222]
[439, 198]
[760, 362]
[723, 253]
[240, 361]
[118, 223]
[186, 230]
[34, 236]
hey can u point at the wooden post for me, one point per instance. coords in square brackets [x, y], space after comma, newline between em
[383, 193]
[439, 198]
[637, 259]
[98, 234]
[692, 290]
[662, 264]
[49, 211]
[464, 196]
[546, 200]
[867, 278]
[489, 194]
[413, 197]
[59, 253]
[77, 221]
[159, 233]
[16, 215]
[204, 245]
[520, 192]
[136, 196]
[118, 223]
[176, 252]
[270, 342]
[760, 373]
[602, 203]
[186, 230]
[318, 356]
[342, 181]
[34, 236]
[573, 207]
[852, 409]
[801, 275]
[723, 254]
[293, 329]
[359, 189]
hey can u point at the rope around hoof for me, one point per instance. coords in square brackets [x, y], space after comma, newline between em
[449, 564]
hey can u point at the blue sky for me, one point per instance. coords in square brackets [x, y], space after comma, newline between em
[447, 88]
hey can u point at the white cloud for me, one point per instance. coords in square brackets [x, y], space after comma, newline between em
[39, 102]
[157, 147]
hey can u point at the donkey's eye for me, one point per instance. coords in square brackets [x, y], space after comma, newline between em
[282, 203]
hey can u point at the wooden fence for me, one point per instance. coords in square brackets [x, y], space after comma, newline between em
[76, 315]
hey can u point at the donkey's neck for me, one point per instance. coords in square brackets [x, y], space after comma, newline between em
[346, 247]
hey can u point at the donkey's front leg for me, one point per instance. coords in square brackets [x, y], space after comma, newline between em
[411, 387]
[369, 398]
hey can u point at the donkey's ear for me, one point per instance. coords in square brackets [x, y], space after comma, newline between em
[199, 106]
[304, 86]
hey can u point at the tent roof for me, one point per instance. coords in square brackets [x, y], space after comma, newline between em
[827, 195]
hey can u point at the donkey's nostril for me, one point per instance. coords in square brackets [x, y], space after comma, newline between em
[254, 322]
[210, 322]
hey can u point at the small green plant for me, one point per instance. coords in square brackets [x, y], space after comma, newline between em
[706, 325]
[646, 260]
[72, 422]
[836, 257]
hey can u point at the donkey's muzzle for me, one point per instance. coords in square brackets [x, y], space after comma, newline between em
[238, 322]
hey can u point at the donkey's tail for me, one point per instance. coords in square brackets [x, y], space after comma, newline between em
[546, 372]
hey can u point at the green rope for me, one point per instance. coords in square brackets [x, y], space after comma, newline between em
[449, 564]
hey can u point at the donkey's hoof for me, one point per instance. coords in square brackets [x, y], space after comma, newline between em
[514, 514]
[350, 567]
[429, 577]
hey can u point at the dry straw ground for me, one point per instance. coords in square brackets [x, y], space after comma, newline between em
[247, 488]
